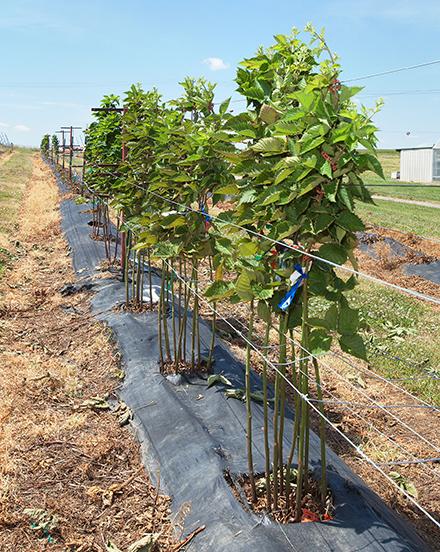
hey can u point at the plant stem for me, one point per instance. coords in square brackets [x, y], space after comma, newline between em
[302, 468]
[213, 327]
[266, 421]
[295, 426]
[249, 406]
[193, 326]
[173, 316]
[150, 279]
[322, 437]
[282, 369]
[159, 322]
[165, 312]
[126, 268]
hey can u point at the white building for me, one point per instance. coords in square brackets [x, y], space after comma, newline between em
[420, 164]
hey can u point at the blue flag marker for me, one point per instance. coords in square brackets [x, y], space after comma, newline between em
[204, 213]
[297, 279]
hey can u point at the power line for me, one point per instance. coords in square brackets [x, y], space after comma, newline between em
[391, 71]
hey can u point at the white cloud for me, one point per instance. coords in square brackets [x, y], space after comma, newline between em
[216, 64]
[4, 125]
[22, 128]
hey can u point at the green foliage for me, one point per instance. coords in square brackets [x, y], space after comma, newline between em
[55, 145]
[103, 147]
[45, 144]
[291, 165]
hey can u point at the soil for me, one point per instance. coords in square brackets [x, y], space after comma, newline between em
[431, 248]
[186, 368]
[135, 307]
[357, 423]
[70, 476]
[311, 506]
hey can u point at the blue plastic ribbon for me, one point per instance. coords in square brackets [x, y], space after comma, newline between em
[202, 208]
[288, 298]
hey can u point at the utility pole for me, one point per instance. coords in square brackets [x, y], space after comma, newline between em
[71, 147]
[63, 143]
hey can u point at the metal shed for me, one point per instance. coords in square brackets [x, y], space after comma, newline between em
[420, 164]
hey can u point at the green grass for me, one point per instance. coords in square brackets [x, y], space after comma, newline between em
[423, 221]
[14, 175]
[400, 326]
[427, 193]
[390, 161]
[402, 336]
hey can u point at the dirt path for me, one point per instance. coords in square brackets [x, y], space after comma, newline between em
[70, 474]
[409, 201]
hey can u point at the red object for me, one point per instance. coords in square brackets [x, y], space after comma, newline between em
[308, 516]
[335, 86]
[326, 517]
[327, 157]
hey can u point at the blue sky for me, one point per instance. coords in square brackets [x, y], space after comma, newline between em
[58, 58]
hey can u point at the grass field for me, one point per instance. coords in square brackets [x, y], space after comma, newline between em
[15, 172]
[402, 341]
[390, 161]
[423, 221]
[402, 336]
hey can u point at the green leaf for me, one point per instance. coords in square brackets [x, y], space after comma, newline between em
[319, 341]
[353, 345]
[247, 249]
[283, 230]
[323, 221]
[223, 246]
[214, 379]
[326, 169]
[268, 114]
[261, 292]
[331, 317]
[235, 394]
[219, 290]
[228, 189]
[404, 484]
[173, 221]
[282, 175]
[348, 320]
[350, 222]
[268, 196]
[270, 146]
[263, 311]
[243, 287]
[310, 143]
[224, 106]
[347, 92]
[333, 252]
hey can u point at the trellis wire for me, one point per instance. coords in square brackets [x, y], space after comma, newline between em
[299, 249]
[338, 266]
[306, 399]
[362, 392]
[381, 378]
[348, 403]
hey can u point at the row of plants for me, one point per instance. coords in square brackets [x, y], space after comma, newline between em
[246, 199]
